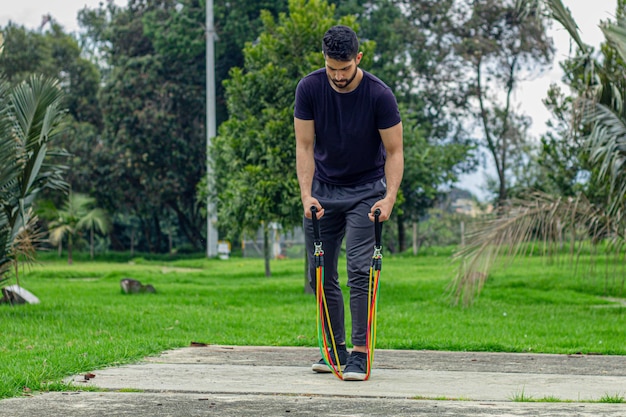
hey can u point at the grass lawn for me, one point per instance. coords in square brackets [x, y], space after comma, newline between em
[84, 322]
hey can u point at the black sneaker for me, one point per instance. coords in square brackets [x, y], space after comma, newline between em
[321, 366]
[356, 368]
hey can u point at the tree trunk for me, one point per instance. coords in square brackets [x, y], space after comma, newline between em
[158, 234]
[415, 240]
[266, 250]
[91, 249]
[188, 228]
[401, 234]
[70, 260]
[147, 234]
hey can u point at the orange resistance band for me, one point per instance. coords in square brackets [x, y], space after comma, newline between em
[324, 327]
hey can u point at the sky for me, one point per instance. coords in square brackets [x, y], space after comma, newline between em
[528, 97]
[30, 12]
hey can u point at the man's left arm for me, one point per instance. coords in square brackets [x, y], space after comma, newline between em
[394, 169]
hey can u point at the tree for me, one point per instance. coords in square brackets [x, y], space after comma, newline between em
[599, 115]
[413, 54]
[78, 214]
[31, 119]
[255, 180]
[410, 50]
[559, 156]
[237, 23]
[96, 220]
[430, 164]
[52, 52]
[497, 45]
[152, 153]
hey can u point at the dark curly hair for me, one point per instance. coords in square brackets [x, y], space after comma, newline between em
[340, 43]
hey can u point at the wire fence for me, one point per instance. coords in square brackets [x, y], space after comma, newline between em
[284, 244]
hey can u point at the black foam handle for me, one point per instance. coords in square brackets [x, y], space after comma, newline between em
[316, 225]
[378, 227]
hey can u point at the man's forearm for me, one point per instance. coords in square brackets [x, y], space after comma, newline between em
[305, 169]
[394, 170]
[305, 161]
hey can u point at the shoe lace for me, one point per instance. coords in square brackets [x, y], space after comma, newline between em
[358, 360]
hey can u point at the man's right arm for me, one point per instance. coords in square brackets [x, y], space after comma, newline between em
[305, 163]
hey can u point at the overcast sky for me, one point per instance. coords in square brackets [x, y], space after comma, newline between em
[29, 12]
[587, 13]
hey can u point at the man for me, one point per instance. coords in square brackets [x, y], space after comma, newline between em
[349, 162]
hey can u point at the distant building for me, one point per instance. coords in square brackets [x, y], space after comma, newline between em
[470, 207]
[464, 202]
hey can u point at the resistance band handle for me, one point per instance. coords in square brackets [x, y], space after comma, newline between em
[378, 227]
[316, 225]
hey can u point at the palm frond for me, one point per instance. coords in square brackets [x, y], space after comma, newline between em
[38, 118]
[30, 116]
[25, 244]
[8, 142]
[4, 267]
[557, 11]
[607, 149]
[8, 177]
[77, 213]
[96, 219]
[516, 229]
[562, 15]
[615, 33]
[58, 231]
[36, 104]
[546, 219]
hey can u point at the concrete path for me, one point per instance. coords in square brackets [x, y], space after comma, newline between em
[277, 381]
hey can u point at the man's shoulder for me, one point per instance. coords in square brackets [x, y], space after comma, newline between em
[375, 81]
[308, 94]
[312, 82]
[315, 76]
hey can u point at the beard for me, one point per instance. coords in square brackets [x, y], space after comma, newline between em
[343, 83]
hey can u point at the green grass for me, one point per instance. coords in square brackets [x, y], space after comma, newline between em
[84, 322]
[522, 397]
[612, 399]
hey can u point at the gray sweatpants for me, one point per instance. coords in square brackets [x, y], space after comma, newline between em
[345, 215]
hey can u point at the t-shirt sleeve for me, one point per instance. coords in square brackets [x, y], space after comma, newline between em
[303, 108]
[387, 112]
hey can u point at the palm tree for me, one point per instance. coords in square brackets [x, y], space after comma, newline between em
[540, 217]
[31, 116]
[76, 215]
[97, 219]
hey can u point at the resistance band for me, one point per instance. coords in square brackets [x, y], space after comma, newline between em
[372, 293]
[324, 327]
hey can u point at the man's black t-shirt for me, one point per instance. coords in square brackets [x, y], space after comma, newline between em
[348, 148]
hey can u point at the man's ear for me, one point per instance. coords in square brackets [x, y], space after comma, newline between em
[358, 57]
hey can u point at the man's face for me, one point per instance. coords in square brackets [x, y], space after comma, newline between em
[342, 73]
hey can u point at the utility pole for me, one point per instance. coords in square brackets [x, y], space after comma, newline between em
[211, 217]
